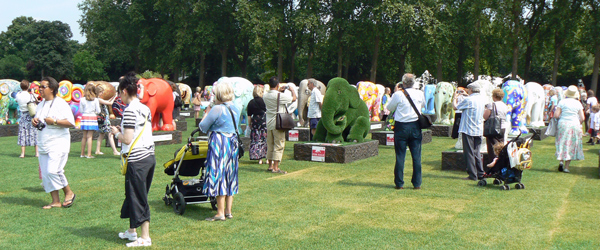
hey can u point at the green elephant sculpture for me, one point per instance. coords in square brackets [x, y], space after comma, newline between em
[345, 116]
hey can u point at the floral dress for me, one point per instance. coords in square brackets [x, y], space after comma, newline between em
[569, 145]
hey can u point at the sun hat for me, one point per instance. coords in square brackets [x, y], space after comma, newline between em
[572, 92]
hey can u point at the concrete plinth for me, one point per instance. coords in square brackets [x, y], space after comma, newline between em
[377, 126]
[540, 133]
[382, 137]
[9, 130]
[181, 125]
[335, 153]
[454, 160]
[298, 134]
[166, 137]
[441, 130]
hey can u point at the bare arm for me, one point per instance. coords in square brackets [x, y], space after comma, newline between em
[581, 116]
[557, 113]
[486, 114]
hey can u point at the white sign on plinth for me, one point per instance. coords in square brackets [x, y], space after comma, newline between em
[375, 126]
[166, 137]
[318, 154]
[389, 139]
[293, 135]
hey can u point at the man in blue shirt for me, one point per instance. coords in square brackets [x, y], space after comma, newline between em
[471, 127]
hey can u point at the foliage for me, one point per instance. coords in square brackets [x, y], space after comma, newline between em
[150, 74]
[12, 67]
[87, 67]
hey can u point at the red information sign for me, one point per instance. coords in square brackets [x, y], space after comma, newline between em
[389, 139]
[318, 154]
[293, 135]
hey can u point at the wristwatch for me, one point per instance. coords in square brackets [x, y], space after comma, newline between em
[55, 122]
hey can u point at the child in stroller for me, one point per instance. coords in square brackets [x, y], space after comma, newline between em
[508, 166]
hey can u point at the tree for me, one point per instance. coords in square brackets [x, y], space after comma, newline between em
[87, 67]
[564, 17]
[12, 67]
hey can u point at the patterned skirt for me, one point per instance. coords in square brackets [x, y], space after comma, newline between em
[221, 165]
[569, 145]
[258, 137]
[89, 121]
[105, 127]
[27, 132]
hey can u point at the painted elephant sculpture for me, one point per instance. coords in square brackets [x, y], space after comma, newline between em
[443, 103]
[242, 90]
[7, 88]
[547, 88]
[304, 96]
[515, 97]
[429, 105]
[186, 93]
[72, 94]
[108, 91]
[157, 94]
[371, 95]
[344, 116]
[536, 100]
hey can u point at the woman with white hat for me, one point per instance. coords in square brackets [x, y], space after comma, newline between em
[569, 146]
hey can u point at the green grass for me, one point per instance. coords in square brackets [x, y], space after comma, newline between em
[315, 206]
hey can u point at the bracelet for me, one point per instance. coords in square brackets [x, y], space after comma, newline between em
[55, 122]
[117, 134]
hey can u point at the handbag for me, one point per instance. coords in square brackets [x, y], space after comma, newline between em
[101, 117]
[283, 121]
[551, 130]
[125, 160]
[196, 101]
[240, 143]
[424, 121]
[493, 125]
[32, 106]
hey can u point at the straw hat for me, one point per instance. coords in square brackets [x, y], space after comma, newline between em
[572, 92]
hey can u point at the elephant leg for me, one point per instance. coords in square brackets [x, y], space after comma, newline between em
[359, 130]
[320, 133]
[167, 121]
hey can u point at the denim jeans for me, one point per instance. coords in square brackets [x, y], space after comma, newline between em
[407, 134]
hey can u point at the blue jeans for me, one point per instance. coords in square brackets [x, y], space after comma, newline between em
[407, 134]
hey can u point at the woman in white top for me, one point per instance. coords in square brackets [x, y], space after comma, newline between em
[53, 119]
[501, 111]
[89, 120]
[569, 113]
[590, 102]
[27, 133]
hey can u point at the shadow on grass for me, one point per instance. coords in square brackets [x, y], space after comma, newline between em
[366, 184]
[192, 211]
[25, 201]
[34, 189]
[588, 172]
[96, 232]
[444, 176]
[254, 167]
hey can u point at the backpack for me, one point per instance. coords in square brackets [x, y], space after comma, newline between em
[178, 101]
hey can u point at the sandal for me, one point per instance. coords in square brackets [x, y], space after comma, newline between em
[229, 216]
[99, 153]
[71, 201]
[280, 172]
[215, 218]
[50, 206]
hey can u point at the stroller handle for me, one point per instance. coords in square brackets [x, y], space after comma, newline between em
[194, 132]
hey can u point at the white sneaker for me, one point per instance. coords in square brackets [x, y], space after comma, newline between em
[140, 243]
[128, 235]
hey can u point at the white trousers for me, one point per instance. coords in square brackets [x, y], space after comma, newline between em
[52, 166]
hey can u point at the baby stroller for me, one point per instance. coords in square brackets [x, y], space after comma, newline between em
[188, 161]
[512, 160]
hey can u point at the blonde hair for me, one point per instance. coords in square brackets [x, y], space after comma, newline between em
[498, 148]
[497, 94]
[198, 89]
[596, 108]
[89, 92]
[259, 90]
[223, 92]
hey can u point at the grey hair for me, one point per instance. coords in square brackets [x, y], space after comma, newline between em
[408, 80]
[313, 81]
[474, 89]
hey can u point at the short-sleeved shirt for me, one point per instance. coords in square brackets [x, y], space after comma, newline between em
[501, 111]
[89, 107]
[270, 99]
[256, 106]
[403, 111]
[54, 139]
[136, 116]
[569, 110]
[471, 121]
[219, 119]
[314, 110]
[591, 101]
[22, 98]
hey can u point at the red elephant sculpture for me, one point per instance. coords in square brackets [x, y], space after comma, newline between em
[157, 94]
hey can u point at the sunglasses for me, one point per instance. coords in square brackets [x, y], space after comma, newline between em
[43, 87]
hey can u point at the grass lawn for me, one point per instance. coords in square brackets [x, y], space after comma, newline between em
[314, 206]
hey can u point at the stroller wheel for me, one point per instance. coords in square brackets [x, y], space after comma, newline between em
[497, 182]
[178, 203]
[213, 203]
[166, 198]
[482, 183]
[505, 187]
[519, 186]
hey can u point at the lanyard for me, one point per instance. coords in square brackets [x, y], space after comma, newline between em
[47, 113]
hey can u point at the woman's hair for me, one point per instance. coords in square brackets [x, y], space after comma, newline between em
[259, 90]
[198, 89]
[498, 148]
[24, 85]
[552, 92]
[223, 92]
[497, 94]
[52, 84]
[89, 92]
[590, 93]
[596, 108]
[129, 83]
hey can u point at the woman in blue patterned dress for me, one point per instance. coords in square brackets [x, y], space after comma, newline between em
[569, 145]
[258, 124]
[27, 133]
[222, 156]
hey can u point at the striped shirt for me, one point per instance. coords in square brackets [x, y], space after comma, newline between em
[134, 117]
[471, 121]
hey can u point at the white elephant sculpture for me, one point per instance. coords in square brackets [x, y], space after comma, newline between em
[294, 105]
[534, 109]
[303, 96]
[242, 90]
[443, 103]
[186, 93]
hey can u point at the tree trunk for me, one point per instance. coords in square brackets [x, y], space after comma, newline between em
[515, 62]
[460, 62]
[224, 61]
[594, 86]
[374, 60]
[293, 63]
[528, 59]
[439, 72]
[557, 47]
[280, 57]
[402, 63]
[246, 52]
[340, 64]
[346, 67]
[309, 67]
[477, 47]
[202, 69]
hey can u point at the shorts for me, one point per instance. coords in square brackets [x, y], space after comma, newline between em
[313, 122]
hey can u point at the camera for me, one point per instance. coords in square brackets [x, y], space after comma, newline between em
[40, 125]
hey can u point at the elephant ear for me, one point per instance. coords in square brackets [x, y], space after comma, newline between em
[152, 88]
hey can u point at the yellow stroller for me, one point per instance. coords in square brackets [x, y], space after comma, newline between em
[188, 161]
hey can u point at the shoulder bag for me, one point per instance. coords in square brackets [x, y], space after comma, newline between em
[240, 143]
[283, 121]
[125, 159]
[196, 101]
[493, 125]
[551, 130]
[32, 105]
[424, 121]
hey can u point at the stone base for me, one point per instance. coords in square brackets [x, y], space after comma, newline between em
[525, 136]
[540, 133]
[9, 130]
[302, 134]
[181, 125]
[246, 141]
[377, 126]
[381, 137]
[441, 130]
[454, 160]
[433, 117]
[166, 137]
[335, 153]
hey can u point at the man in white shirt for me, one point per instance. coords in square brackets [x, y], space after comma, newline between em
[471, 127]
[314, 106]
[407, 131]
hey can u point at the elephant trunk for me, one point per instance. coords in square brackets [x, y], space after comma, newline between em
[329, 119]
[438, 108]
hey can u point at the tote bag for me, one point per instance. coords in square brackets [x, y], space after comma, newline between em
[493, 125]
